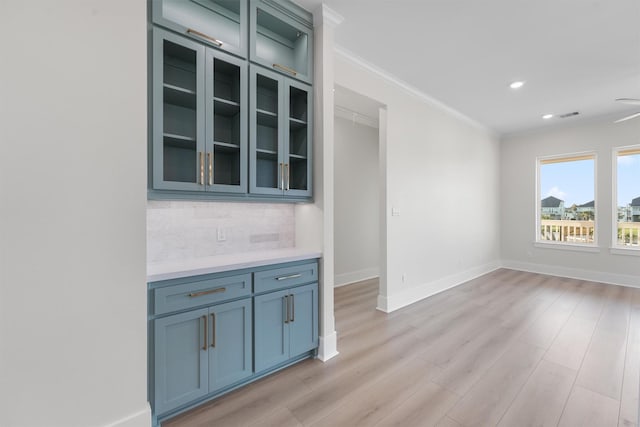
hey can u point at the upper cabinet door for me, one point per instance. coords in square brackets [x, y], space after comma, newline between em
[266, 136]
[218, 23]
[282, 38]
[226, 123]
[178, 113]
[297, 138]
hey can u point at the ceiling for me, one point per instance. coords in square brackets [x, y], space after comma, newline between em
[574, 55]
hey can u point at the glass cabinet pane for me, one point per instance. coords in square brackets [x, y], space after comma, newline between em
[176, 91]
[280, 42]
[299, 135]
[218, 23]
[267, 137]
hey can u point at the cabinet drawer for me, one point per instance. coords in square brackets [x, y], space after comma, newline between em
[201, 292]
[285, 277]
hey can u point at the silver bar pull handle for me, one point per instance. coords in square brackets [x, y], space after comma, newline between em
[210, 161]
[293, 276]
[286, 69]
[201, 167]
[281, 183]
[213, 330]
[207, 292]
[204, 37]
[204, 346]
[287, 168]
[286, 304]
[293, 308]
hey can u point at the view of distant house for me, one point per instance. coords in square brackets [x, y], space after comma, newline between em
[635, 210]
[552, 208]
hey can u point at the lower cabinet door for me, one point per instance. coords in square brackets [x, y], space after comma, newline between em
[230, 349]
[303, 328]
[271, 329]
[181, 362]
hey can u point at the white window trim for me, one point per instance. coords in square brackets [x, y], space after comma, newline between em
[587, 247]
[616, 249]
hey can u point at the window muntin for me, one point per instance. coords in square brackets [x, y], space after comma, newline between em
[626, 233]
[566, 201]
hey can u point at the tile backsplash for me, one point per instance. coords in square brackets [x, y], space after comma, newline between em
[182, 230]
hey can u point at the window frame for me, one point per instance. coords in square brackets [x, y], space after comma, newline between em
[581, 247]
[615, 248]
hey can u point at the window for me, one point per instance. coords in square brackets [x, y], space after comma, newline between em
[566, 200]
[627, 192]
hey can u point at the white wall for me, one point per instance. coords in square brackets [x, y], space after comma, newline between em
[442, 175]
[356, 202]
[518, 201]
[72, 213]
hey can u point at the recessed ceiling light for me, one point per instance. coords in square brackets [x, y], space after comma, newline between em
[516, 85]
[547, 116]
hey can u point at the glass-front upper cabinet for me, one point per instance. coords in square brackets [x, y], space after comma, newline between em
[199, 118]
[178, 112]
[226, 123]
[280, 140]
[282, 39]
[218, 23]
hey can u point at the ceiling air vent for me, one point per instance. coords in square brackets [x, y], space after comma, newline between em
[564, 116]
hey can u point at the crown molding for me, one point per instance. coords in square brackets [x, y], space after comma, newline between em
[363, 63]
[324, 15]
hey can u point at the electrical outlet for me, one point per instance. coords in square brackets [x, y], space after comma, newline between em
[222, 234]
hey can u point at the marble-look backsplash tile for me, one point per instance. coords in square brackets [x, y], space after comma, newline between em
[183, 230]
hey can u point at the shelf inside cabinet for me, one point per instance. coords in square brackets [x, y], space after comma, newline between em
[298, 107]
[226, 164]
[267, 118]
[225, 107]
[226, 81]
[179, 96]
[297, 157]
[297, 124]
[266, 153]
[226, 145]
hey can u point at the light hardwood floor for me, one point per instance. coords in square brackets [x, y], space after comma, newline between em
[509, 348]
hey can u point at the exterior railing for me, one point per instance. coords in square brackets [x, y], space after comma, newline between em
[567, 231]
[629, 234]
[583, 232]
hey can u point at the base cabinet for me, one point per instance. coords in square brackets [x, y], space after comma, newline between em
[212, 333]
[285, 325]
[201, 351]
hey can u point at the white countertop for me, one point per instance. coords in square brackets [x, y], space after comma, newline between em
[216, 264]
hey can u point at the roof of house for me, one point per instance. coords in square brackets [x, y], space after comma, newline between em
[551, 202]
[591, 204]
[635, 202]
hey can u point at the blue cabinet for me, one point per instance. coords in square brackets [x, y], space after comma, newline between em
[218, 23]
[280, 136]
[282, 38]
[200, 352]
[212, 333]
[181, 359]
[200, 135]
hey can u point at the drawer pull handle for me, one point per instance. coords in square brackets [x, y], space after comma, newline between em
[204, 346]
[205, 37]
[293, 308]
[213, 330]
[286, 69]
[286, 304]
[210, 291]
[293, 276]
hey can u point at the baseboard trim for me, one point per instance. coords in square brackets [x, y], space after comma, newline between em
[328, 346]
[141, 418]
[575, 273]
[417, 293]
[355, 276]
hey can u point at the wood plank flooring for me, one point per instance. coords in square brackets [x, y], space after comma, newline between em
[509, 348]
